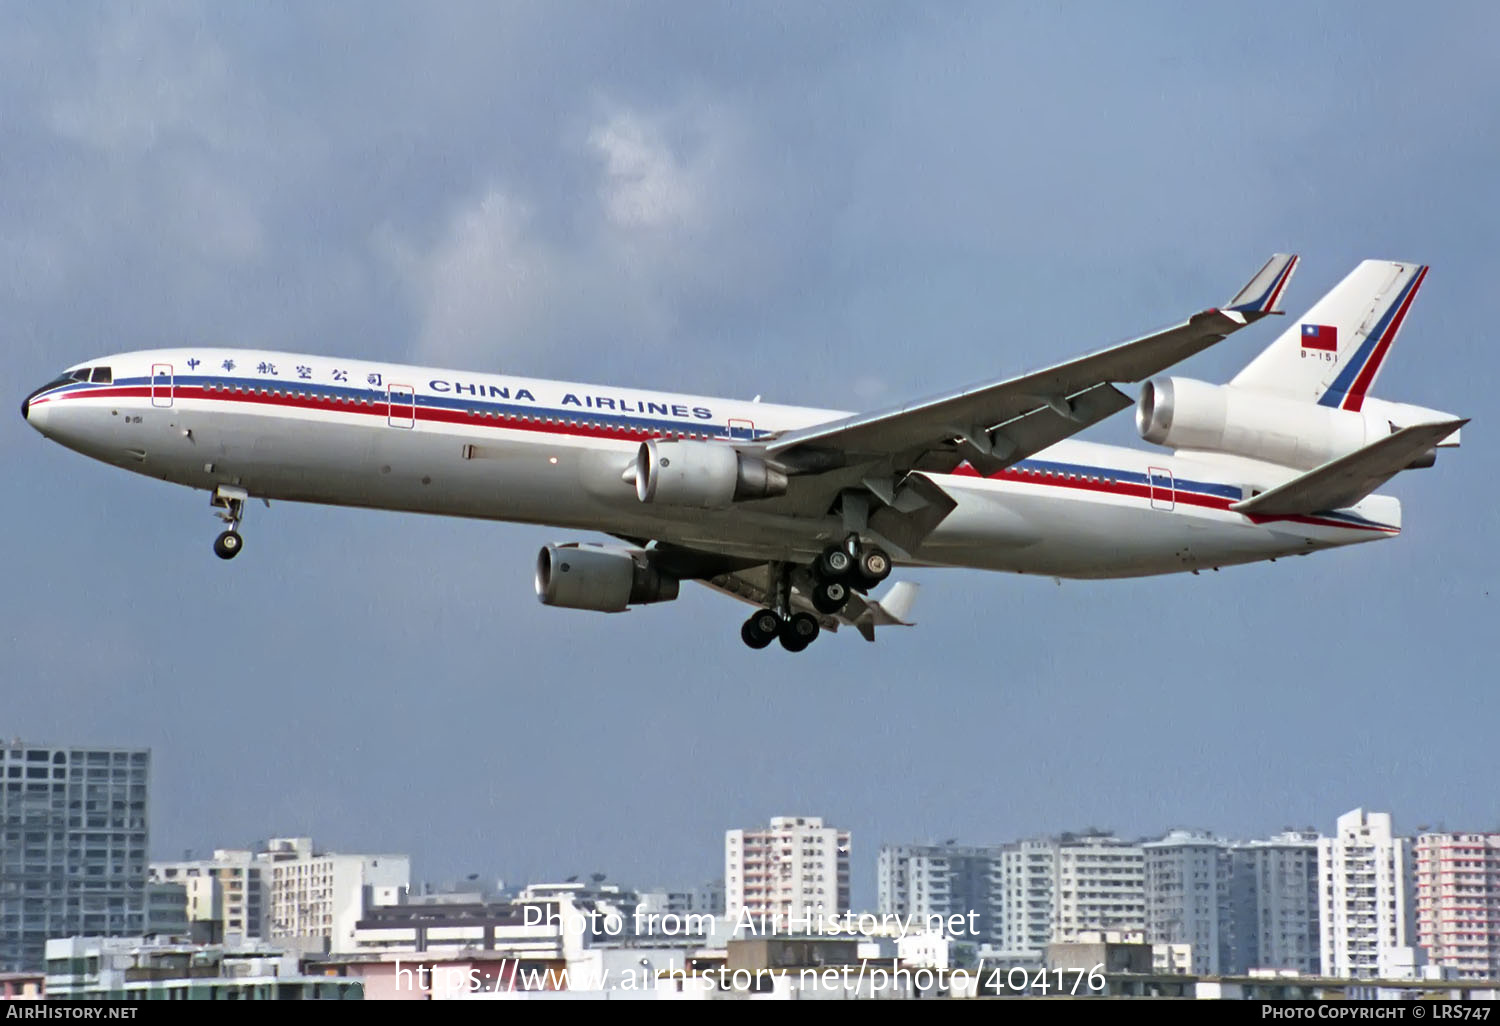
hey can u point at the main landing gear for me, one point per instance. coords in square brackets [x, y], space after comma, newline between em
[837, 572]
[230, 502]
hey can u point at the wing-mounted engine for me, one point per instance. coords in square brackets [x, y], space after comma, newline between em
[1182, 413]
[600, 577]
[709, 475]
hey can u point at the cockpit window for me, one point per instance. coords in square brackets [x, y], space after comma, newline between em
[65, 379]
[102, 376]
[82, 374]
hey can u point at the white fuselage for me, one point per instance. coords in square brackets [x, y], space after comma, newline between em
[356, 433]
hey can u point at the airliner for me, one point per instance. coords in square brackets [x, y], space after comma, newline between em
[803, 513]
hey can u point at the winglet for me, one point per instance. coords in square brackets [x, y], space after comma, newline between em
[1260, 296]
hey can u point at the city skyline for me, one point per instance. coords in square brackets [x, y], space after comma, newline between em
[1367, 900]
[846, 205]
[860, 861]
[863, 872]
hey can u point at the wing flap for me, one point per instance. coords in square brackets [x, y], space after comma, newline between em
[1041, 428]
[1340, 483]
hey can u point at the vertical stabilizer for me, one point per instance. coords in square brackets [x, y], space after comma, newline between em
[1334, 352]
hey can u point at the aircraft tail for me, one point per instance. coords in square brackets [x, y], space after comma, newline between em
[1333, 354]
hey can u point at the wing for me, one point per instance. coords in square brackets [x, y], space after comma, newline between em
[994, 424]
[1344, 481]
[752, 586]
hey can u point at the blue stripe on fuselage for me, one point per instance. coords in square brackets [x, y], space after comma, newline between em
[614, 419]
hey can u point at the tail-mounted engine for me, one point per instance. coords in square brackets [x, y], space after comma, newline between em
[1181, 413]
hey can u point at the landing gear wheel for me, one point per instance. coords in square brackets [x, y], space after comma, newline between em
[874, 565]
[834, 564]
[228, 544]
[830, 596]
[761, 629]
[798, 632]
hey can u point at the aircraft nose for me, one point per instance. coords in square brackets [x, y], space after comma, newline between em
[32, 416]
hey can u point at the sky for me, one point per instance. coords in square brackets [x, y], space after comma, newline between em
[840, 205]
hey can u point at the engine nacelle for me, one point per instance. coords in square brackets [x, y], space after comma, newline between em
[710, 475]
[600, 577]
[1185, 414]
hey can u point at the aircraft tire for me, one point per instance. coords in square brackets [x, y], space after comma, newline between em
[228, 545]
[830, 597]
[761, 629]
[834, 564]
[798, 632]
[874, 565]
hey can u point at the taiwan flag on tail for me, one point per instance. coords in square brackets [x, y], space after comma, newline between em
[1324, 337]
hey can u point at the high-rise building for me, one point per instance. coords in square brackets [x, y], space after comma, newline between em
[943, 880]
[1365, 919]
[228, 896]
[317, 898]
[1052, 890]
[1101, 886]
[1187, 897]
[166, 910]
[73, 842]
[1027, 888]
[1458, 903]
[1274, 904]
[791, 869]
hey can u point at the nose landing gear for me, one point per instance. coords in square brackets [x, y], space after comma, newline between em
[230, 502]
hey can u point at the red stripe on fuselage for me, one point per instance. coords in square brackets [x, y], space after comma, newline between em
[580, 428]
[1143, 491]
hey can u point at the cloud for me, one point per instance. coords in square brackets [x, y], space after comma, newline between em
[486, 283]
[153, 81]
[664, 235]
[174, 138]
[647, 187]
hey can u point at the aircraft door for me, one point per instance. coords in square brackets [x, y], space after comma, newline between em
[741, 430]
[161, 385]
[401, 402]
[1163, 488]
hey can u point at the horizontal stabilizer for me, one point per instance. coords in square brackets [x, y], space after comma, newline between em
[1340, 483]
